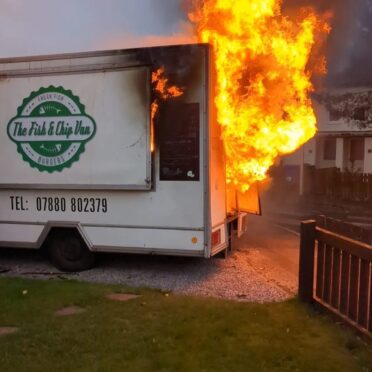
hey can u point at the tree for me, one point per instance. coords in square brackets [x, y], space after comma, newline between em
[355, 108]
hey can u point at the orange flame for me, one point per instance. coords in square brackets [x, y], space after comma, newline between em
[160, 83]
[263, 85]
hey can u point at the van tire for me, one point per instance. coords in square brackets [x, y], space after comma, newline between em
[68, 252]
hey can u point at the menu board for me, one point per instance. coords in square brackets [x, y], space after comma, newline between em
[179, 133]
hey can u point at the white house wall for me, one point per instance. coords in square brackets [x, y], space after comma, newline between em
[305, 153]
[321, 163]
[310, 152]
[340, 153]
[368, 155]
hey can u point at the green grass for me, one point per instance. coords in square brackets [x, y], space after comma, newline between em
[156, 332]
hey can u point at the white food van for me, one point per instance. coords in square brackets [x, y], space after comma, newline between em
[83, 169]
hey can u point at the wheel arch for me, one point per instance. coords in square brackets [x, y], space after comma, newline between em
[53, 226]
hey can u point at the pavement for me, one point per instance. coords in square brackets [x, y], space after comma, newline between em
[278, 244]
[277, 249]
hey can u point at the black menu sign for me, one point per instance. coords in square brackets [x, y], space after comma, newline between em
[179, 133]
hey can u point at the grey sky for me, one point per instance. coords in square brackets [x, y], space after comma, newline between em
[50, 26]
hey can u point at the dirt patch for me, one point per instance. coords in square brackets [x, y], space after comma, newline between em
[122, 296]
[7, 330]
[69, 310]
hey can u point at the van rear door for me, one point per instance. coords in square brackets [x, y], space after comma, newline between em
[249, 201]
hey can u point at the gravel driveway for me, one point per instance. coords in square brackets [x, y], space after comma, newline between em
[249, 274]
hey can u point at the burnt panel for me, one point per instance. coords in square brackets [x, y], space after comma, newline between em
[182, 63]
[178, 139]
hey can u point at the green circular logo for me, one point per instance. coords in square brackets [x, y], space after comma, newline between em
[51, 129]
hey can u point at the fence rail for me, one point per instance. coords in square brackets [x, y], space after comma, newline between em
[338, 185]
[349, 230]
[342, 279]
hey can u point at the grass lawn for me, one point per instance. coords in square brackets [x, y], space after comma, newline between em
[159, 332]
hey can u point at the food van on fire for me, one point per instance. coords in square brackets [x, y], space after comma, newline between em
[95, 157]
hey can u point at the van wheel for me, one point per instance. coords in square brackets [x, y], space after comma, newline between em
[68, 252]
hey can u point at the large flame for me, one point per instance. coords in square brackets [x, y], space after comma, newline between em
[163, 91]
[263, 84]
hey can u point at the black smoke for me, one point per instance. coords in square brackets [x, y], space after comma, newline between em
[349, 46]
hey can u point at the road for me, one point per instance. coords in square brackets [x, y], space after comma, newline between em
[276, 248]
[278, 244]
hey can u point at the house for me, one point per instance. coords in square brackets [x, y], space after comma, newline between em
[344, 137]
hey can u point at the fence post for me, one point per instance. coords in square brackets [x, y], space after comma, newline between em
[306, 266]
[321, 220]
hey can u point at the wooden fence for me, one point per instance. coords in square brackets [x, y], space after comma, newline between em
[347, 229]
[341, 185]
[336, 273]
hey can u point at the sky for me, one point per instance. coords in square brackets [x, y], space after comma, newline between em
[32, 27]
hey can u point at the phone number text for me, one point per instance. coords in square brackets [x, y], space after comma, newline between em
[81, 205]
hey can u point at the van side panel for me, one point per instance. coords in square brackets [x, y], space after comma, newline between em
[164, 213]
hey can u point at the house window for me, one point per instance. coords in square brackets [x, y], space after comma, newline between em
[329, 150]
[334, 114]
[356, 149]
[359, 113]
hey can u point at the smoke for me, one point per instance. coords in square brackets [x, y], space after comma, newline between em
[51, 26]
[348, 49]
[356, 61]
[184, 35]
